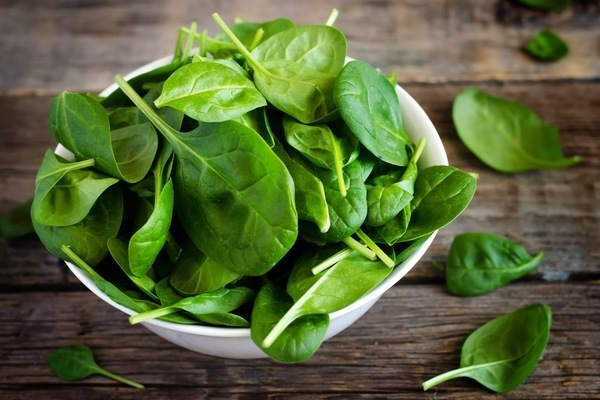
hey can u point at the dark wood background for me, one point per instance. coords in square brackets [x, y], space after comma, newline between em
[416, 330]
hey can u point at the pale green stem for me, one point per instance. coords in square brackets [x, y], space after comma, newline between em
[331, 261]
[151, 314]
[373, 246]
[79, 261]
[118, 378]
[361, 248]
[260, 32]
[190, 41]
[172, 248]
[460, 372]
[332, 17]
[339, 171]
[202, 41]
[419, 150]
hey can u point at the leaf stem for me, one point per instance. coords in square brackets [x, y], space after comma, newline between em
[373, 246]
[260, 32]
[459, 372]
[331, 261]
[190, 41]
[419, 150]
[151, 314]
[332, 17]
[359, 247]
[118, 378]
[79, 261]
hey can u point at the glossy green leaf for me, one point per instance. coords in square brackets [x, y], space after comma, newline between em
[547, 46]
[82, 125]
[300, 339]
[338, 287]
[506, 135]
[441, 194]
[481, 262]
[368, 103]
[226, 172]
[210, 92]
[76, 362]
[88, 238]
[196, 273]
[502, 353]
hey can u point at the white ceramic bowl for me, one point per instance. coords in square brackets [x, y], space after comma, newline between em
[236, 342]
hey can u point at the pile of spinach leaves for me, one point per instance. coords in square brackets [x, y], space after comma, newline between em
[243, 184]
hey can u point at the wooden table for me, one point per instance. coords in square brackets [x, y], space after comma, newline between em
[416, 330]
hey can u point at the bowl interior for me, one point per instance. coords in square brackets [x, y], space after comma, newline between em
[417, 125]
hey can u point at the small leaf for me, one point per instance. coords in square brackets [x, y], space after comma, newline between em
[76, 362]
[502, 353]
[547, 46]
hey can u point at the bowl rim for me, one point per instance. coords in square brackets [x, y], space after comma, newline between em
[416, 112]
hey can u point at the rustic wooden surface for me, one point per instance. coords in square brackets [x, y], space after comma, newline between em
[416, 330]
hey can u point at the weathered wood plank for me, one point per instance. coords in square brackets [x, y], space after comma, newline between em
[80, 45]
[414, 332]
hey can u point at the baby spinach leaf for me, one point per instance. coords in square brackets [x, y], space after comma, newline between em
[223, 319]
[338, 287]
[322, 147]
[17, 222]
[505, 135]
[196, 273]
[481, 262]
[347, 213]
[246, 31]
[88, 238]
[210, 92]
[369, 105]
[502, 353]
[311, 202]
[221, 300]
[258, 121]
[302, 276]
[147, 242]
[295, 69]
[76, 362]
[82, 125]
[118, 250]
[165, 292]
[392, 232]
[547, 5]
[125, 116]
[547, 46]
[441, 194]
[226, 172]
[300, 339]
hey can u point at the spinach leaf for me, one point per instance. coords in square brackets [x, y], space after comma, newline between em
[311, 202]
[322, 147]
[300, 339]
[503, 352]
[258, 121]
[547, 5]
[88, 238]
[302, 276]
[369, 105]
[17, 222]
[82, 125]
[118, 250]
[295, 69]
[481, 262]
[347, 213]
[75, 362]
[221, 300]
[338, 287]
[547, 46]
[165, 292]
[210, 92]
[441, 194]
[226, 172]
[505, 135]
[196, 273]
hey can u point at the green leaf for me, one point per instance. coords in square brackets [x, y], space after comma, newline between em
[368, 103]
[505, 135]
[502, 353]
[17, 222]
[300, 339]
[441, 194]
[547, 46]
[210, 92]
[338, 287]
[481, 262]
[82, 125]
[76, 362]
[235, 198]
[88, 238]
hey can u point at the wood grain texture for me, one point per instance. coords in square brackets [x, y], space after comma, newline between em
[414, 332]
[81, 45]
